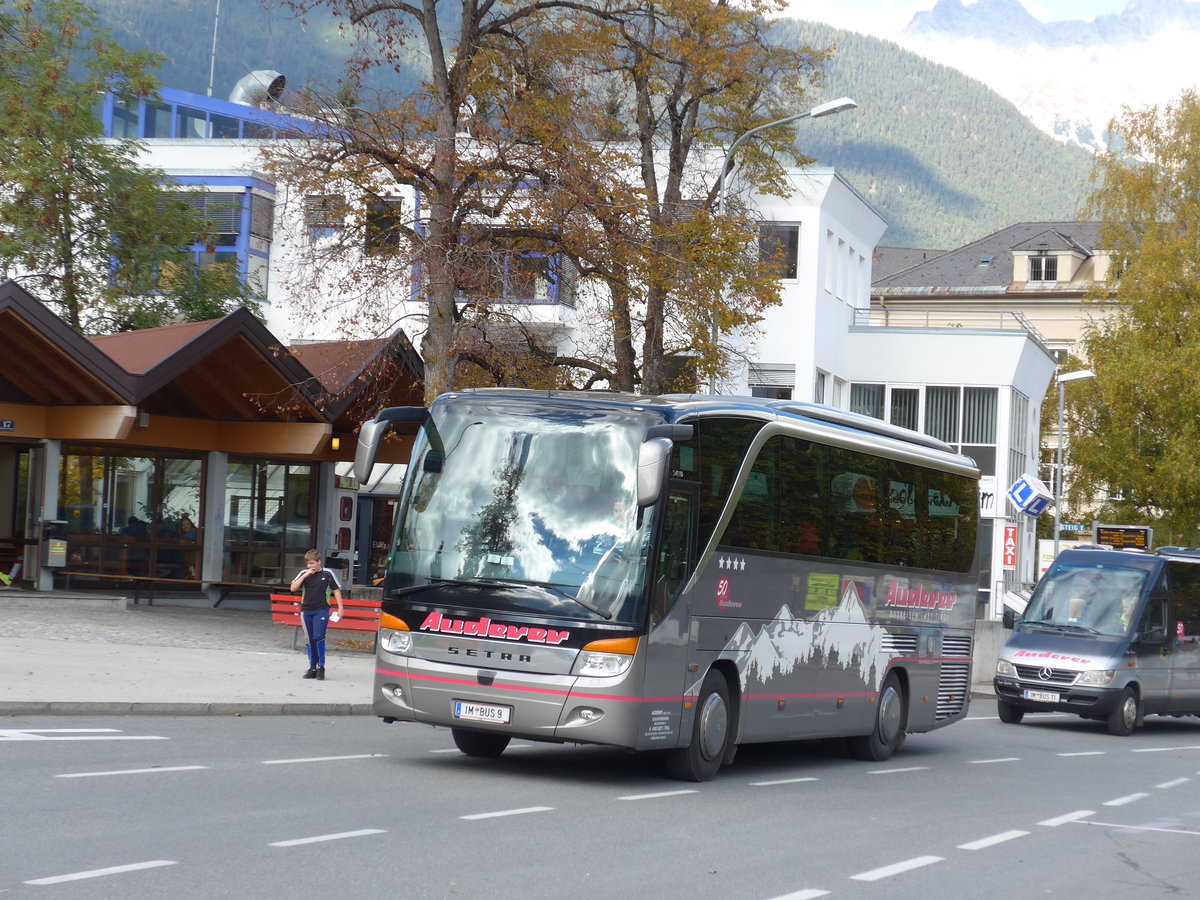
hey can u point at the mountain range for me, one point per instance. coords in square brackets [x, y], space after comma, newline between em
[943, 158]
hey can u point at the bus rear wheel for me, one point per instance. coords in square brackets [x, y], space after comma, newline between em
[702, 757]
[485, 744]
[891, 718]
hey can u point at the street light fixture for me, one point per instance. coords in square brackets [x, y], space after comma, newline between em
[1081, 375]
[829, 108]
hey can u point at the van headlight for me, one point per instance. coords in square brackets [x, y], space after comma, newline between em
[1004, 667]
[1096, 678]
[606, 658]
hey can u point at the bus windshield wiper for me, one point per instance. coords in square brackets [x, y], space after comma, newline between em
[502, 582]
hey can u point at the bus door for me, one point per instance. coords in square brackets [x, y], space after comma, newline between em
[670, 619]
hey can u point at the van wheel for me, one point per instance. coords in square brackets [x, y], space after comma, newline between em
[1010, 713]
[702, 757]
[485, 744]
[1122, 720]
[891, 718]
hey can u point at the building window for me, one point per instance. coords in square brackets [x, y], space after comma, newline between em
[124, 120]
[941, 413]
[158, 121]
[867, 399]
[221, 214]
[262, 216]
[190, 123]
[905, 406]
[384, 226]
[269, 511]
[1043, 268]
[224, 126]
[779, 249]
[819, 386]
[324, 217]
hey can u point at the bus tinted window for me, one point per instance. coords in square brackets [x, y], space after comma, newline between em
[722, 445]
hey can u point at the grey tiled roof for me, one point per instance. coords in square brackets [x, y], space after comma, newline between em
[890, 260]
[988, 261]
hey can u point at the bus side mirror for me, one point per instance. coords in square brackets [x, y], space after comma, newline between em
[371, 433]
[653, 456]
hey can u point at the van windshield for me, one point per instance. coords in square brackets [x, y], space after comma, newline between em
[1086, 599]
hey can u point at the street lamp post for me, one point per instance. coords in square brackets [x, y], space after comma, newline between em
[824, 109]
[1081, 375]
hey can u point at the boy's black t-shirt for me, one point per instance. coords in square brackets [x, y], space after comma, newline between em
[316, 587]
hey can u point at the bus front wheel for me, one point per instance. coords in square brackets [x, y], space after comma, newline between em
[891, 718]
[485, 744]
[702, 757]
[1122, 720]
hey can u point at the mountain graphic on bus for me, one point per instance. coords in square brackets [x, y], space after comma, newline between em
[841, 637]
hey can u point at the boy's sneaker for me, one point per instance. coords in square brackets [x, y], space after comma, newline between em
[311, 673]
[320, 673]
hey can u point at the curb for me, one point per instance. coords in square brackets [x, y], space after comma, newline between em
[73, 708]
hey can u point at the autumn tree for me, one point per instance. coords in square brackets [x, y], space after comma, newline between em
[1134, 430]
[82, 225]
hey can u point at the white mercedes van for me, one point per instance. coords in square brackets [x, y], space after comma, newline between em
[1109, 635]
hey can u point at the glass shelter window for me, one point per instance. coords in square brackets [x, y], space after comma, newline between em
[269, 520]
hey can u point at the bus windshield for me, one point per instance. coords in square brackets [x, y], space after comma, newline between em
[1086, 599]
[524, 508]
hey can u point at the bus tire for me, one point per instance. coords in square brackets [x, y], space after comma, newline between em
[1125, 714]
[484, 744]
[702, 757]
[1009, 713]
[891, 718]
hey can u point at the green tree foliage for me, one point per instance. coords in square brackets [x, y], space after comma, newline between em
[81, 224]
[1134, 431]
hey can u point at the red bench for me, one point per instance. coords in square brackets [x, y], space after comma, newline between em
[359, 615]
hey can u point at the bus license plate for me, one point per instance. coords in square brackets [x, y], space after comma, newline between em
[482, 712]
[1041, 696]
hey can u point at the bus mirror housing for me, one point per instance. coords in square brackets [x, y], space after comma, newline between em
[653, 456]
[372, 431]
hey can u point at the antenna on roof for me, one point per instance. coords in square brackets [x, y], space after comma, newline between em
[212, 59]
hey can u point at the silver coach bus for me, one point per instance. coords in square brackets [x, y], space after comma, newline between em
[676, 573]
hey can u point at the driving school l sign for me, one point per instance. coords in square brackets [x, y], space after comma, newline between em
[1030, 496]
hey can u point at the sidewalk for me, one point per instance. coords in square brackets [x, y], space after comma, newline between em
[66, 653]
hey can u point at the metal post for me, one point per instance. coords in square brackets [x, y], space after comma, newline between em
[1062, 396]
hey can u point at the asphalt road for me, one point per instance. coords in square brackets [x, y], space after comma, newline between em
[280, 807]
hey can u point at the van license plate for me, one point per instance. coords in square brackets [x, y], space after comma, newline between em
[482, 712]
[1041, 696]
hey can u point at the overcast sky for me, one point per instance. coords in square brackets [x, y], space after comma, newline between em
[883, 17]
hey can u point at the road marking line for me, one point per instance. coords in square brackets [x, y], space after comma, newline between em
[809, 894]
[984, 762]
[311, 759]
[896, 868]
[1170, 784]
[657, 795]
[1142, 828]
[1165, 749]
[1083, 753]
[1069, 817]
[894, 771]
[131, 771]
[111, 870]
[446, 750]
[1128, 798]
[508, 812]
[327, 837]
[73, 734]
[781, 781]
[983, 843]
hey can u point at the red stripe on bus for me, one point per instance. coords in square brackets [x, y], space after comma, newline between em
[527, 689]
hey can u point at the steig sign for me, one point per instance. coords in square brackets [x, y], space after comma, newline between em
[1124, 537]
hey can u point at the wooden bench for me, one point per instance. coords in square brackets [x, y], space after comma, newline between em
[145, 584]
[359, 615]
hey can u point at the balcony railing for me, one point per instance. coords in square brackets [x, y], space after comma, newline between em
[974, 320]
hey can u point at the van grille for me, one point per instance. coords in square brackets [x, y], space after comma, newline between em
[899, 644]
[956, 645]
[1046, 675]
[952, 688]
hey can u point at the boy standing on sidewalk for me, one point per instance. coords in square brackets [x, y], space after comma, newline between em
[316, 585]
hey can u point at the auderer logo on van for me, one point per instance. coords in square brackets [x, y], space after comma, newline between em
[485, 627]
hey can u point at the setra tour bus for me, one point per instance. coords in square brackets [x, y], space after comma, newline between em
[677, 573]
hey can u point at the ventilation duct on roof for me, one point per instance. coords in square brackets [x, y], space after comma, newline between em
[259, 87]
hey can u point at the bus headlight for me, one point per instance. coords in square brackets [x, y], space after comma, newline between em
[1004, 667]
[1097, 678]
[606, 658]
[396, 641]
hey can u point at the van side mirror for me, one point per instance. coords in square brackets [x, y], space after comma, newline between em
[1152, 636]
[1008, 618]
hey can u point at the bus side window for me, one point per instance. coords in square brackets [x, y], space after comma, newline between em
[676, 551]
